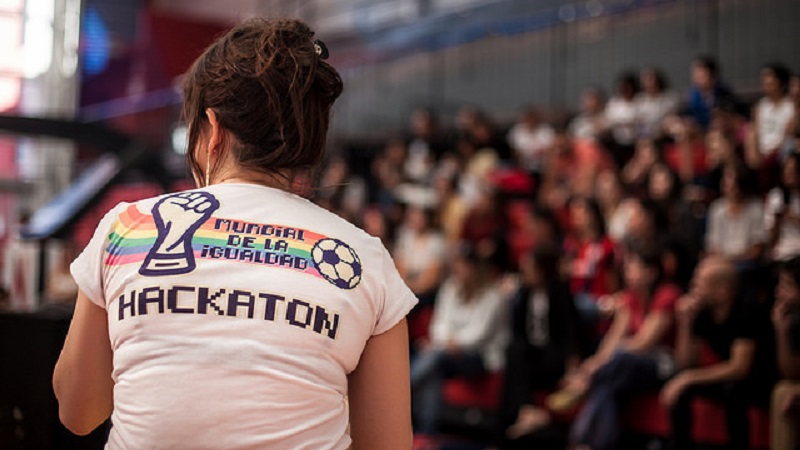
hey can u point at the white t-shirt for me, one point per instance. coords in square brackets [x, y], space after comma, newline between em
[652, 109]
[788, 244]
[531, 145]
[731, 235]
[420, 253]
[772, 120]
[479, 324]
[235, 313]
[621, 116]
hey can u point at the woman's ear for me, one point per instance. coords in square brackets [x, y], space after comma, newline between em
[216, 133]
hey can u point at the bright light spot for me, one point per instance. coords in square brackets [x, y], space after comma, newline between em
[97, 44]
[72, 27]
[38, 41]
[11, 37]
[11, 5]
[9, 93]
[180, 139]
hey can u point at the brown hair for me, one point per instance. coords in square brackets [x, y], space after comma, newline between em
[269, 88]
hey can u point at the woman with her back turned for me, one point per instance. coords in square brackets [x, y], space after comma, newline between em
[239, 315]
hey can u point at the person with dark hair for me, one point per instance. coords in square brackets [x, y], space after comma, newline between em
[531, 140]
[714, 317]
[420, 252]
[773, 119]
[467, 336]
[617, 206]
[782, 206]
[683, 241]
[654, 103]
[793, 92]
[622, 120]
[736, 221]
[648, 224]
[634, 355]
[425, 147]
[239, 314]
[785, 408]
[634, 174]
[591, 122]
[591, 258]
[546, 341]
[707, 90]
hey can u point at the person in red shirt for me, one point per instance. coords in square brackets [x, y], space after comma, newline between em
[633, 355]
[591, 267]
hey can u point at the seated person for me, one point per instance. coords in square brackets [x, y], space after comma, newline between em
[545, 341]
[711, 315]
[467, 335]
[590, 259]
[785, 411]
[633, 355]
[736, 220]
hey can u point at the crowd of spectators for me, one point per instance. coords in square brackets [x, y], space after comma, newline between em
[649, 243]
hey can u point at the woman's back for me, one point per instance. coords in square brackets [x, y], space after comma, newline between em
[236, 311]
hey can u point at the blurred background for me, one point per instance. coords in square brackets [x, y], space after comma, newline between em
[463, 122]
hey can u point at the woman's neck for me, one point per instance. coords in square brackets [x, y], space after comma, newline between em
[278, 180]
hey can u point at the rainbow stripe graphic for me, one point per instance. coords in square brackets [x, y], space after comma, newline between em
[134, 234]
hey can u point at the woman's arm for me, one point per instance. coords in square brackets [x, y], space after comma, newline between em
[611, 341]
[379, 391]
[650, 334]
[82, 377]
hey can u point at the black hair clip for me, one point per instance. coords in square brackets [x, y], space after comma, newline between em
[321, 49]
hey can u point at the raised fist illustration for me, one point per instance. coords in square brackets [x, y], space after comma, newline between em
[177, 217]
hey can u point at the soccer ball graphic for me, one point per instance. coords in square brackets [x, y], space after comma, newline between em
[337, 262]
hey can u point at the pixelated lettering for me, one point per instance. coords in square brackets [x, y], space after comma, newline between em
[325, 324]
[234, 303]
[172, 299]
[130, 304]
[151, 295]
[271, 304]
[299, 313]
[205, 300]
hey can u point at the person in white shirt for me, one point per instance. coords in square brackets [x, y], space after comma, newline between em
[782, 206]
[654, 103]
[621, 117]
[773, 116]
[531, 139]
[591, 122]
[468, 334]
[420, 252]
[736, 220]
[239, 315]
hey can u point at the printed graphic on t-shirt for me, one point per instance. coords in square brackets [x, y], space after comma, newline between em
[182, 228]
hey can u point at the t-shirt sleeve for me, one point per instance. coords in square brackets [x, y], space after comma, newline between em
[772, 206]
[397, 298]
[712, 235]
[87, 268]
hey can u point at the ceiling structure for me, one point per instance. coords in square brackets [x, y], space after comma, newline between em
[375, 29]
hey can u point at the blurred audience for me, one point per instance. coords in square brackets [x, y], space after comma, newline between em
[602, 219]
[468, 333]
[714, 323]
[546, 341]
[785, 411]
[634, 355]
